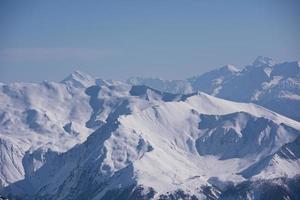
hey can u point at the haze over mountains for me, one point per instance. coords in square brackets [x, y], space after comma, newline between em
[88, 138]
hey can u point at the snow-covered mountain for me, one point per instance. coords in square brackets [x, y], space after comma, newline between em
[148, 144]
[38, 120]
[35, 117]
[275, 86]
[88, 138]
[211, 82]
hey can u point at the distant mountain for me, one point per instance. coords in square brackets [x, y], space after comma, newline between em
[275, 86]
[171, 86]
[212, 82]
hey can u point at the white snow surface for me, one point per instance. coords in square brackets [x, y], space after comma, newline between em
[181, 144]
[33, 116]
[66, 137]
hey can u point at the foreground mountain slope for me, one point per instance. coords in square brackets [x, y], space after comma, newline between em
[38, 120]
[195, 147]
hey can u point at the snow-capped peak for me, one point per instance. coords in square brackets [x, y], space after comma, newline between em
[79, 79]
[230, 68]
[261, 61]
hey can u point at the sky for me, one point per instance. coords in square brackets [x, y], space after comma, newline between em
[170, 39]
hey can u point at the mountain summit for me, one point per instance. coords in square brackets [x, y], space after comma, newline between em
[262, 61]
[79, 79]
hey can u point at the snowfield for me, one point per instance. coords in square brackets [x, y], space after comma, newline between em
[87, 138]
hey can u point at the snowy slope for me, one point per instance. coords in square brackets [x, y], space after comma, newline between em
[88, 138]
[39, 118]
[167, 146]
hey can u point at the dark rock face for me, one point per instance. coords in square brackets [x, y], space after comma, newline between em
[276, 189]
[131, 193]
[3, 198]
[179, 194]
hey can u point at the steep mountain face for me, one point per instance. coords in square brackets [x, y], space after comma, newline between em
[155, 145]
[275, 86]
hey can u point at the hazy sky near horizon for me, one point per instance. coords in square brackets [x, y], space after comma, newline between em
[171, 39]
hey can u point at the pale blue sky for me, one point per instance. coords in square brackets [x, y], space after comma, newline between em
[171, 39]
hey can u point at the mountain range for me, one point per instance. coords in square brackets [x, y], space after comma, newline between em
[275, 86]
[89, 138]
